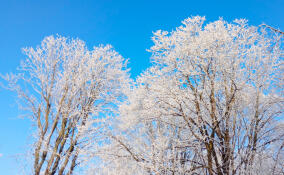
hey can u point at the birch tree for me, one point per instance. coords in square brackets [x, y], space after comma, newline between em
[67, 91]
[211, 103]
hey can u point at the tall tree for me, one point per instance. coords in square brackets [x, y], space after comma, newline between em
[68, 91]
[212, 103]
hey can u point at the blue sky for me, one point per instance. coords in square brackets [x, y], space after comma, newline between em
[125, 24]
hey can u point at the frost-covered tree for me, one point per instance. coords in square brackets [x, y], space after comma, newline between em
[211, 103]
[67, 91]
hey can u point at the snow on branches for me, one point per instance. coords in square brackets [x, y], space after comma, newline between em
[211, 103]
[69, 91]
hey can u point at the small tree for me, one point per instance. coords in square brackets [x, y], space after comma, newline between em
[212, 103]
[68, 91]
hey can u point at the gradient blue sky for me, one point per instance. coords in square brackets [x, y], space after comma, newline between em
[125, 24]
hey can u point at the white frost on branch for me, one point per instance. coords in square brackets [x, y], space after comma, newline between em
[211, 103]
[68, 92]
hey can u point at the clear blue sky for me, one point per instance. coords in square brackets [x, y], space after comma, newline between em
[127, 25]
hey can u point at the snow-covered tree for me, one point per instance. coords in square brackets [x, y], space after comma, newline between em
[68, 92]
[211, 103]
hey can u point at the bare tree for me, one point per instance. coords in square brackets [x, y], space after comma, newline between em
[212, 103]
[68, 92]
